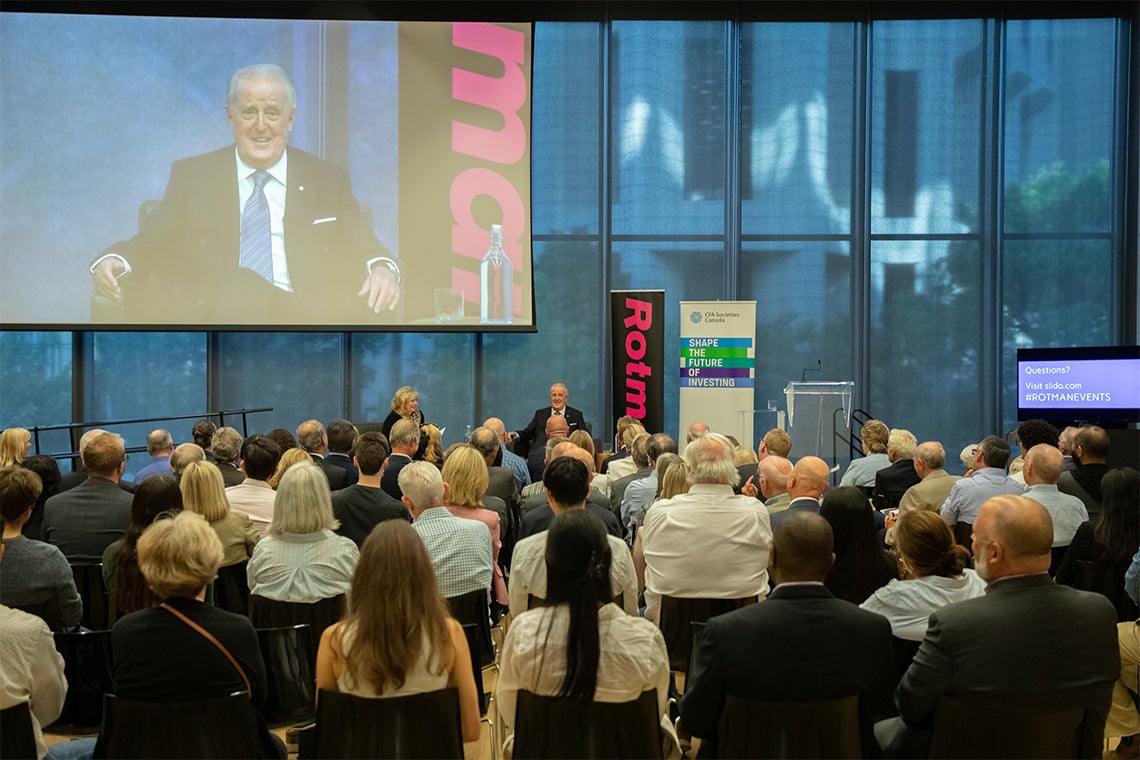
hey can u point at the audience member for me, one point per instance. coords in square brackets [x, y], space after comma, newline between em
[311, 437]
[465, 473]
[1029, 434]
[186, 454]
[893, 481]
[639, 493]
[1108, 543]
[567, 484]
[156, 496]
[638, 468]
[33, 572]
[776, 442]
[204, 492]
[933, 574]
[48, 470]
[621, 451]
[537, 512]
[254, 495]
[806, 486]
[511, 460]
[580, 645]
[75, 477]
[932, 489]
[342, 435]
[861, 472]
[403, 440]
[283, 438]
[535, 488]
[696, 430]
[745, 458]
[1066, 443]
[159, 447]
[1042, 469]
[203, 435]
[624, 467]
[501, 482]
[966, 457]
[771, 483]
[15, 443]
[460, 550]
[302, 559]
[583, 440]
[682, 533]
[1090, 450]
[289, 458]
[987, 479]
[433, 449]
[1026, 642]
[84, 521]
[396, 637]
[674, 480]
[405, 406]
[227, 447]
[818, 646]
[861, 566]
[361, 507]
[555, 427]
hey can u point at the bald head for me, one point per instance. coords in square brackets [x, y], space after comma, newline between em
[773, 472]
[809, 478]
[583, 456]
[1066, 440]
[1043, 465]
[802, 548]
[494, 423]
[557, 425]
[695, 431]
[1091, 445]
[1013, 535]
[929, 456]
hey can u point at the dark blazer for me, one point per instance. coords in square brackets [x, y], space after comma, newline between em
[72, 479]
[84, 521]
[892, 482]
[184, 260]
[231, 475]
[1083, 481]
[335, 474]
[539, 518]
[389, 481]
[1027, 641]
[818, 647]
[361, 508]
[344, 461]
[534, 434]
[797, 505]
[617, 487]
[394, 417]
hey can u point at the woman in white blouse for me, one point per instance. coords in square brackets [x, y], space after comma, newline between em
[616, 656]
[301, 559]
[934, 574]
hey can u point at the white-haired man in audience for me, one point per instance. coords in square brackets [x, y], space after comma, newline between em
[460, 549]
[709, 542]
[696, 430]
[227, 454]
[185, 454]
[640, 493]
[501, 482]
[932, 489]
[159, 447]
[1042, 470]
[404, 440]
[988, 480]
[806, 486]
[861, 472]
[511, 460]
[892, 481]
[311, 437]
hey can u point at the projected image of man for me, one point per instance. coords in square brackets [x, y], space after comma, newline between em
[257, 231]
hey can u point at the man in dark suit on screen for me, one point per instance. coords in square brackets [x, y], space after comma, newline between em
[252, 232]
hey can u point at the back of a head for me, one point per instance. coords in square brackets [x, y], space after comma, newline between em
[158, 442]
[404, 434]
[48, 470]
[12, 444]
[631, 434]
[465, 472]
[283, 438]
[582, 440]
[712, 460]
[623, 423]
[1092, 444]
[1066, 441]
[311, 436]
[552, 444]
[303, 503]
[851, 519]
[179, 556]
[227, 445]
[775, 470]
[695, 431]
[1045, 460]
[931, 454]
[556, 424]
[104, 454]
[875, 434]
[809, 475]
[745, 456]
[778, 442]
[422, 484]
[672, 476]
[902, 442]
[568, 481]
[260, 456]
[485, 440]
[184, 455]
[203, 433]
[925, 541]
[1118, 527]
[1035, 432]
[342, 434]
[995, 452]
[637, 450]
[1021, 525]
[393, 592]
[204, 491]
[19, 489]
[370, 450]
[153, 496]
[804, 547]
[578, 558]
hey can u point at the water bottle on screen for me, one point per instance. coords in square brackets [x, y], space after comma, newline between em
[496, 279]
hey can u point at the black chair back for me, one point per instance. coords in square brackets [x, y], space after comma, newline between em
[231, 589]
[756, 728]
[89, 670]
[291, 679]
[471, 631]
[17, 737]
[902, 653]
[46, 610]
[550, 727]
[215, 728]
[96, 602]
[969, 726]
[677, 617]
[270, 613]
[417, 726]
[473, 609]
[962, 535]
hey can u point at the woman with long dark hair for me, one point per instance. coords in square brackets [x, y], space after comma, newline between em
[580, 645]
[121, 574]
[396, 637]
[861, 565]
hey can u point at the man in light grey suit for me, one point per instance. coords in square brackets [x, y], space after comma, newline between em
[1027, 643]
[931, 491]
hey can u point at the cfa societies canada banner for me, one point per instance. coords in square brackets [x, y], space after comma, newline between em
[718, 366]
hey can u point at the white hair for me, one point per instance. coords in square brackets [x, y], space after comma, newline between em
[712, 459]
[422, 483]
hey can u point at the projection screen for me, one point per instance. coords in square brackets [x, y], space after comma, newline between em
[140, 190]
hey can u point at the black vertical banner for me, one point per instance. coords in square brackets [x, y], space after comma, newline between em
[637, 339]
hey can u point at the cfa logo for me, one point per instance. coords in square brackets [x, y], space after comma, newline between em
[695, 317]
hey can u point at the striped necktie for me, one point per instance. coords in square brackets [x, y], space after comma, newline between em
[256, 239]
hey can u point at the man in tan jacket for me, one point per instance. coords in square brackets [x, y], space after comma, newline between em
[928, 493]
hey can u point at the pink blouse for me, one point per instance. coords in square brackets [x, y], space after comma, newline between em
[490, 518]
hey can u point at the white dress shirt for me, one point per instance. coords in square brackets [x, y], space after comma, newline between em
[32, 671]
[274, 190]
[528, 573]
[255, 498]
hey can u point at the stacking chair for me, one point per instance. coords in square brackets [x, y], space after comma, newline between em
[231, 589]
[46, 610]
[17, 737]
[962, 535]
[473, 609]
[760, 729]
[678, 614]
[554, 727]
[973, 726]
[291, 679]
[96, 602]
[417, 726]
[88, 669]
[215, 728]
[270, 613]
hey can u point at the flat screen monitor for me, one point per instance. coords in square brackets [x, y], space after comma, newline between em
[1087, 384]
